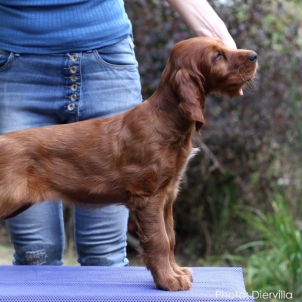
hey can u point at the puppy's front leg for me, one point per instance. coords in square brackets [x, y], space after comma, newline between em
[155, 243]
[169, 224]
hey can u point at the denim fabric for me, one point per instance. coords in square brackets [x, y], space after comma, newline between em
[39, 90]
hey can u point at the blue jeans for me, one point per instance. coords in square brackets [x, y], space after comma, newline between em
[39, 90]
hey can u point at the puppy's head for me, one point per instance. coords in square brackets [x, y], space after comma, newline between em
[220, 70]
[200, 66]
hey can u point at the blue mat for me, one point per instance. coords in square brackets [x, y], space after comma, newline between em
[112, 284]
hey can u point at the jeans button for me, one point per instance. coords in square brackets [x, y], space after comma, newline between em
[71, 106]
[74, 57]
[73, 97]
[74, 87]
[73, 69]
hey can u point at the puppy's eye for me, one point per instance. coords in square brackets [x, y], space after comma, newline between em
[218, 56]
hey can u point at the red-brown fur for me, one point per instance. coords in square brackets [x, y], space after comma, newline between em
[136, 158]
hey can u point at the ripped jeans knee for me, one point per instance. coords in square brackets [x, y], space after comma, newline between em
[37, 254]
[38, 235]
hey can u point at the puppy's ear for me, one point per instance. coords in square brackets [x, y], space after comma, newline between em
[189, 89]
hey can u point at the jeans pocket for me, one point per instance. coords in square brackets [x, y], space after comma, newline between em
[118, 56]
[5, 59]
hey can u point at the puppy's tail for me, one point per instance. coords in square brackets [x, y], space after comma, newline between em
[12, 213]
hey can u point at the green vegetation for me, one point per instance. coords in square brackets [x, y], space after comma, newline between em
[273, 262]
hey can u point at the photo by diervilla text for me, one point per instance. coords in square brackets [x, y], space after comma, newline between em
[278, 295]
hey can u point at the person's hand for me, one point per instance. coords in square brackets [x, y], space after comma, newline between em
[203, 20]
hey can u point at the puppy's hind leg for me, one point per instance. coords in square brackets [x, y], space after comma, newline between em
[14, 193]
[18, 211]
[13, 198]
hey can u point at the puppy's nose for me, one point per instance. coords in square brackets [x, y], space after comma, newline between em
[253, 56]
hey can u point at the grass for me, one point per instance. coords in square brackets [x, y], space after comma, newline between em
[275, 261]
[5, 254]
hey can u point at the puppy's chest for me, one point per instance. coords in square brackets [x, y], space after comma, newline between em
[176, 171]
[186, 160]
[157, 176]
[177, 167]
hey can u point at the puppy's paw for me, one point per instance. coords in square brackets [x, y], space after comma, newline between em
[174, 282]
[183, 271]
[186, 271]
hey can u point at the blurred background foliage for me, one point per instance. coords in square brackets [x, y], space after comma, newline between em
[250, 146]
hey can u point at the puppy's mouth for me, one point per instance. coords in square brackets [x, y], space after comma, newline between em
[236, 81]
[232, 90]
[247, 76]
[250, 79]
[246, 79]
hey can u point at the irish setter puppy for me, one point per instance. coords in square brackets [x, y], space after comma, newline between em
[137, 157]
